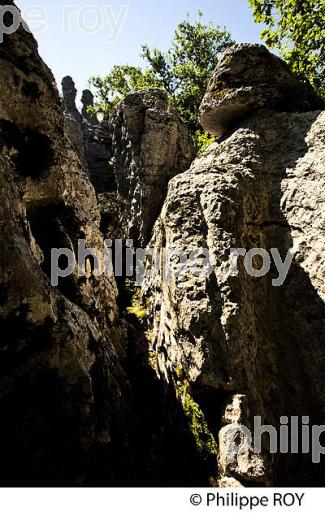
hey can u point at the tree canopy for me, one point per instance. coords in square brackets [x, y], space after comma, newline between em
[297, 29]
[183, 71]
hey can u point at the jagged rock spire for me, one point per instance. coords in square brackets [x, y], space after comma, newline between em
[87, 101]
[69, 97]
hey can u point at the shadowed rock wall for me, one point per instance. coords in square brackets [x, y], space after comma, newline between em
[239, 338]
[63, 393]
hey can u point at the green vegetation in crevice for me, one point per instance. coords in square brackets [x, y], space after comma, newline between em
[153, 360]
[202, 140]
[131, 295]
[195, 428]
[204, 439]
[137, 309]
[139, 306]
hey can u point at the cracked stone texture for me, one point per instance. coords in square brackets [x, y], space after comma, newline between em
[63, 394]
[73, 123]
[244, 346]
[150, 145]
[98, 152]
[90, 138]
[249, 78]
[79, 403]
[237, 457]
[262, 187]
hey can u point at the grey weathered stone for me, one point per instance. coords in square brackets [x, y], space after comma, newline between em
[90, 138]
[73, 125]
[237, 411]
[135, 152]
[249, 78]
[150, 145]
[69, 92]
[79, 404]
[79, 401]
[262, 187]
[98, 153]
[229, 482]
[237, 457]
[63, 392]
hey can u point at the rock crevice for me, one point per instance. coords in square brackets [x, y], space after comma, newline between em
[94, 392]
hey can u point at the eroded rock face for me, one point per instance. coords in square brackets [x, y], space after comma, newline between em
[98, 152]
[249, 78]
[79, 402]
[87, 101]
[87, 399]
[69, 92]
[237, 457]
[262, 187]
[73, 123]
[150, 145]
[63, 393]
[130, 156]
[90, 138]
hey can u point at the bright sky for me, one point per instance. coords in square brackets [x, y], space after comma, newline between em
[69, 47]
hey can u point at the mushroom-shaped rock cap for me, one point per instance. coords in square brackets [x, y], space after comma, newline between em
[248, 78]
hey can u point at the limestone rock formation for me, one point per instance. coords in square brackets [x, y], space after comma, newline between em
[247, 79]
[150, 145]
[73, 121]
[79, 401]
[63, 393]
[93, 392]
[87, 100]
[236, 454]
[90, 138]
[130, 156]
[261, 187]
[98, 153]
[69, 92]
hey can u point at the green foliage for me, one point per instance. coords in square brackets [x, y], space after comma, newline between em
[202, 140]
[183, 72]
[138, 309]
[204, 440]
[185, 69]
[297, 29]
[122, 80]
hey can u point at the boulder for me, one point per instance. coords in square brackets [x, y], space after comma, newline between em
[247, 79]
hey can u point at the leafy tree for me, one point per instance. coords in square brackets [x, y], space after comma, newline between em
[297, 29]
[185, 69]
[183, 72]
[122, 80]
